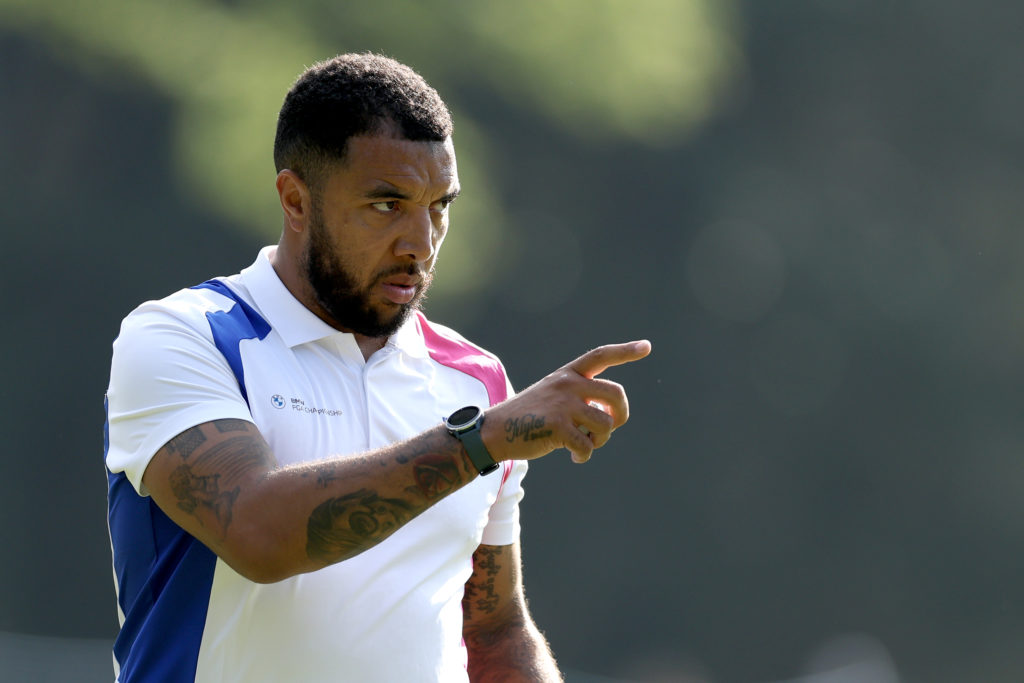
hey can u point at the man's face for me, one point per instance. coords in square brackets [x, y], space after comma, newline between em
[375, 230]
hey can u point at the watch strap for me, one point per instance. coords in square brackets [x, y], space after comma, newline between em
[475, 448]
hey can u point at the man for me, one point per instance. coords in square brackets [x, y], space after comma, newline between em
[285, 501]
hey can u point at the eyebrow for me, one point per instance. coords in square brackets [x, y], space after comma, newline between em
[386, 191]
[389, 191]
[450, 197]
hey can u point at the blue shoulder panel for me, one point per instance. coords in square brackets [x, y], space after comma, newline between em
[230, 327]
[164, 575]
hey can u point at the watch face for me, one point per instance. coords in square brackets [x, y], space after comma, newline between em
[463, 416]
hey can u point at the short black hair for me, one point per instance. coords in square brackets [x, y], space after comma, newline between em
[350, 95]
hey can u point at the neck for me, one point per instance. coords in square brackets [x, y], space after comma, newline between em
[286, 266]
[370, 345]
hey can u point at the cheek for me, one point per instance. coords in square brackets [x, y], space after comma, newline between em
[367, 249]
[440, 232]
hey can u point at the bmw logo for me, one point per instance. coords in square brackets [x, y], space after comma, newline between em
[277, 400]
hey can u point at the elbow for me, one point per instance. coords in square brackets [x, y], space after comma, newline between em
[261, 556]
[262, 572]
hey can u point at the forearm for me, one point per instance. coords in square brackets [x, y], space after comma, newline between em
[501, 639]
[346, 505]
[220, 482]
[516, 653]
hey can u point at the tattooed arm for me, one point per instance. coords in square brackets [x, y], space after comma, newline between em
[501, 638]
[220, 482]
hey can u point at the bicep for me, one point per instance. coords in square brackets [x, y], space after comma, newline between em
[199, 477]
[165, 377]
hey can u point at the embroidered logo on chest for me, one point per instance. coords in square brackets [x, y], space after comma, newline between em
[298, 405]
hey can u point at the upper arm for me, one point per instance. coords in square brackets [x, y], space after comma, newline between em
[179, 428]
[166, 376]
[198, 477]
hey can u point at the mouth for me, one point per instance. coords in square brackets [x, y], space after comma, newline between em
[400, 289]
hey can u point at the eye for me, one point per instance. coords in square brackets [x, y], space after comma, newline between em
[441, 205]
[385, 207]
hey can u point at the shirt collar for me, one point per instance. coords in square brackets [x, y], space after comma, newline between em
[409, 338]
[297, 325]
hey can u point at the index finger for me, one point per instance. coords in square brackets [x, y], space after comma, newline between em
[594, 362]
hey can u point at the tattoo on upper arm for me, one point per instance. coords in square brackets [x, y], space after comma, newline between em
[203, 487]
[526, 428]
[198, 493]
[187, 442]
[341, 525]
[234, 455]
[231, 425]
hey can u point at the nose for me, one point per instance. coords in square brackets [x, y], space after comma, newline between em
[417, 237]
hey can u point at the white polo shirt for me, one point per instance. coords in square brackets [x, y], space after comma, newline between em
[243, 347]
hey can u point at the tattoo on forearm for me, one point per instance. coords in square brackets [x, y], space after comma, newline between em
[481, 596]
[499, 637]
[357, 520]
[187, 442]
[326, 474]
[436, 475]
[526, 428]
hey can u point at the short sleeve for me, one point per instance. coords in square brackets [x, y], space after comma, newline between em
[166, 376]
[503, 520]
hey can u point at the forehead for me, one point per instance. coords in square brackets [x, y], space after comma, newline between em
[419, 168]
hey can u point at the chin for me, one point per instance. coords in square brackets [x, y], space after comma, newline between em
[388, 322]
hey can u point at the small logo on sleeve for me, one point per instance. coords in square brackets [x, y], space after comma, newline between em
[277, 400]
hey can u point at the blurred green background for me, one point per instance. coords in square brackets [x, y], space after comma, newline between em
[810, 208]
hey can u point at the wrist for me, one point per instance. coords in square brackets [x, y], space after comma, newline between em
[465, 425]
[492, 433]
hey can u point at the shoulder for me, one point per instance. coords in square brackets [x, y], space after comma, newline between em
[441, 338]
[449, 348]
[185, 308]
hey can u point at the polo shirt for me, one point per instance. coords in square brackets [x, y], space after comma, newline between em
[243, 347]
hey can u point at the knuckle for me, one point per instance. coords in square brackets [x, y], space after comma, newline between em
[558, 377]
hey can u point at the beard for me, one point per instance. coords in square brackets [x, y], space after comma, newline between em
[339, 294]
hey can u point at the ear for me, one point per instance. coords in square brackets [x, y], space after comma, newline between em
[296, 201]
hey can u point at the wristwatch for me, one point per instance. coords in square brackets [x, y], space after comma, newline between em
[464, 424]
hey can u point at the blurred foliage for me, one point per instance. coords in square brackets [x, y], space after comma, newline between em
[645, 70]
[639, 70]
[823, 457]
